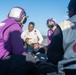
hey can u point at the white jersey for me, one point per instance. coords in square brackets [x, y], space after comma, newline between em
[35, 36]
[69, 37]
[69, 43]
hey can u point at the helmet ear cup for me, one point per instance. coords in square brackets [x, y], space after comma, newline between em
[24, 18]
[24, 21]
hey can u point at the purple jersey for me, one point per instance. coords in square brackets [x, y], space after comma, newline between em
[50, 33]
[10, 40]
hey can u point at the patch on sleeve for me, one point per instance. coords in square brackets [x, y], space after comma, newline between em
[74, 48]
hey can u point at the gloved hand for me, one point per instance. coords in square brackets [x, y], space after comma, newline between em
[30, 58]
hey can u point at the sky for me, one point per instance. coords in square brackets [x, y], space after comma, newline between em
[37, 10]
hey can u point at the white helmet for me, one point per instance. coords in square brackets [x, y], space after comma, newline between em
[17, 13]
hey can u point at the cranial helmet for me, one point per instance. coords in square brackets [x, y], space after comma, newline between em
[17, 13]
